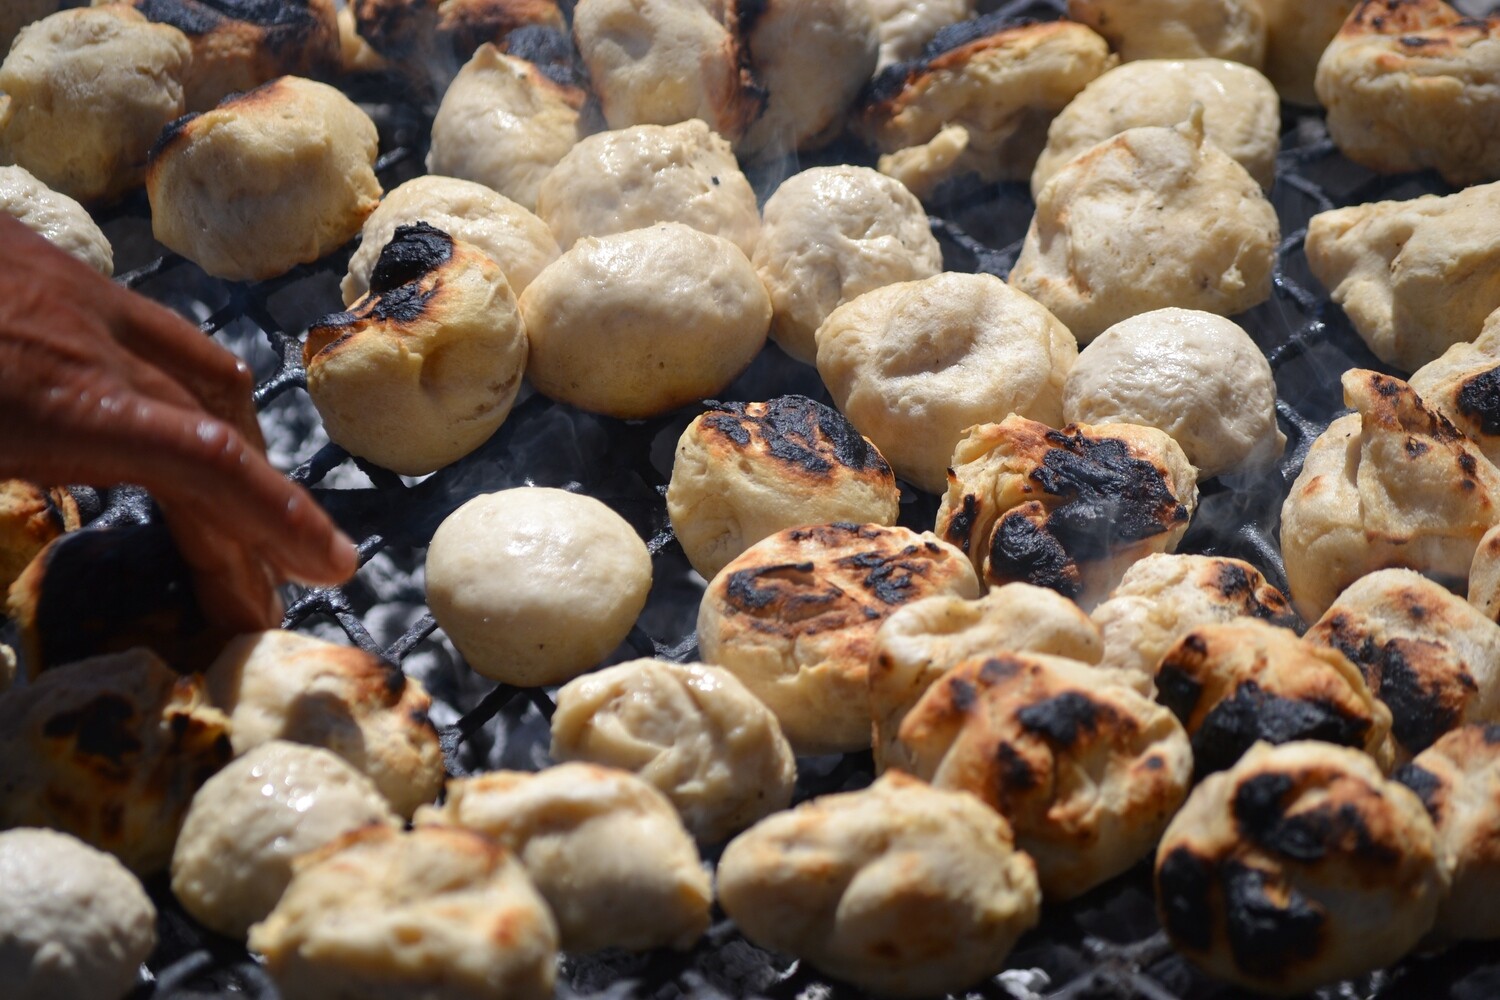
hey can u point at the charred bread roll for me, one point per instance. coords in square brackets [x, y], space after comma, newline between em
[1020, 730]
[1299, 866]
[1202, 234]
[914, 365]
[906, 27]
[642, 322]
[32, 516]
[17, 14]
[1433, 658]
[900, 889]
[111, 750]
[635, 177]
[355, 54]
[1163, 597]
[692, 731]
[1197, 376]
[510, 235]
[534, 585]
[1393, 484]
[605, 849]
[66, 224]
[1463, 384]
[1178, 29]
[426, 35]
[1409, 85]
[86, 93]
[269, 179]
[980, 100]
[504, 123]
[922, 641]
[1297, 32]
[744, 471]
[1070, 509]
[794, 617]
[76, 923]
[1234, 684]
[424, 368]
[249, 822]
[1241, 112]
[402, 916]
[831, 234]
[283, 686]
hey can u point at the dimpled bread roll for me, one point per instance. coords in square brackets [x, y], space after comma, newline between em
[920, 642]
[1088, 771]
[30, 517]
[1410, 84]
[1463, 384]
[1297, 867]
[1197, 376]
[642, 322]
[1394, 484]
[1162, 597]
[87, 91]
[280, 685]
[269, 179]
[638, 176]
[914, 365]
[900, 889]
[693, 731]
[248, 822]
[1430, 656]
[1415, 277]
[504, 124]
[535, 585]
[605, 849]
[426, 366]
[1200, 233]
[76, 924]
[1297, 32]
[830, 235]
[906, 26]
[512, 237]
[382, 914]
[1068, 509]
[1241, 112]
[744, 471]
[1178, 29]
[66, 224]
[111, 750]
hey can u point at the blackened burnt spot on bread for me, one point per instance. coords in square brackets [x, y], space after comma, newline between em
[959, 530]
[1015, 773]
[1428, 786]
[975, 29]
[1184, 887]
[1063, 720]
[1423, 707]
[169, 134]
[1260, 812]
[1479, 400]
[1110, 496]
[962, 693]
[1252, 713]
[757, 589]
[1020, 550]
[550, 51]
[1177, 691]
[413, 251]
[800, 432]
[1267, 933]
[889, 577]
[747, 13]
[849, 446]
[199, 17]
[100, 728]
[1000, 668]
[1267, 603]
[891, 81]
[729, 420]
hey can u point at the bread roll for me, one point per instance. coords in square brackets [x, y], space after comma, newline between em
[1178, 29]
[66, 224]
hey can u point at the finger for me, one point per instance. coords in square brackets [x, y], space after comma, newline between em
[235, 589]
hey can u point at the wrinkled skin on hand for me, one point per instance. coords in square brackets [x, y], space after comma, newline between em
[100, 386]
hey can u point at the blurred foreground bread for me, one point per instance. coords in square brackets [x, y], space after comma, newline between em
[30, 517]
[66, 224]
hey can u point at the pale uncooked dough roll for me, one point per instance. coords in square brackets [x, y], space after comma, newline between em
[1178, 29]
[66, 224]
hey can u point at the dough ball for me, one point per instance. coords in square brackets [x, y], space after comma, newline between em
[1393, 484]
[1241, 112]
[1154, 217]
[504, 124]
[401, 916]
[426, 366]
[1163, 597]
[1484, 575]
[744, 471]
[980, 100]
[17, 14]
[1463, 384]
[1197, 376]
[248, 822]
[1068, 509]
[914, 365]
[1433, 658]
[1297, 32]
[900, 889]
[1297, 867]
[1178, 29]
[830, 235]
[76, 924]
[605, 849]
[638, 176]
[906, 26]
[642, 322]
[512, 237]
[922, 641]
[1409, 85]
[111, 750]
[284, 686]
[276, 177]
[535, 586]
[87, 91]
[66, 224]
[1415, 277]
[1022, 730]
[692, 731]
[30, 517]
[794, 617]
